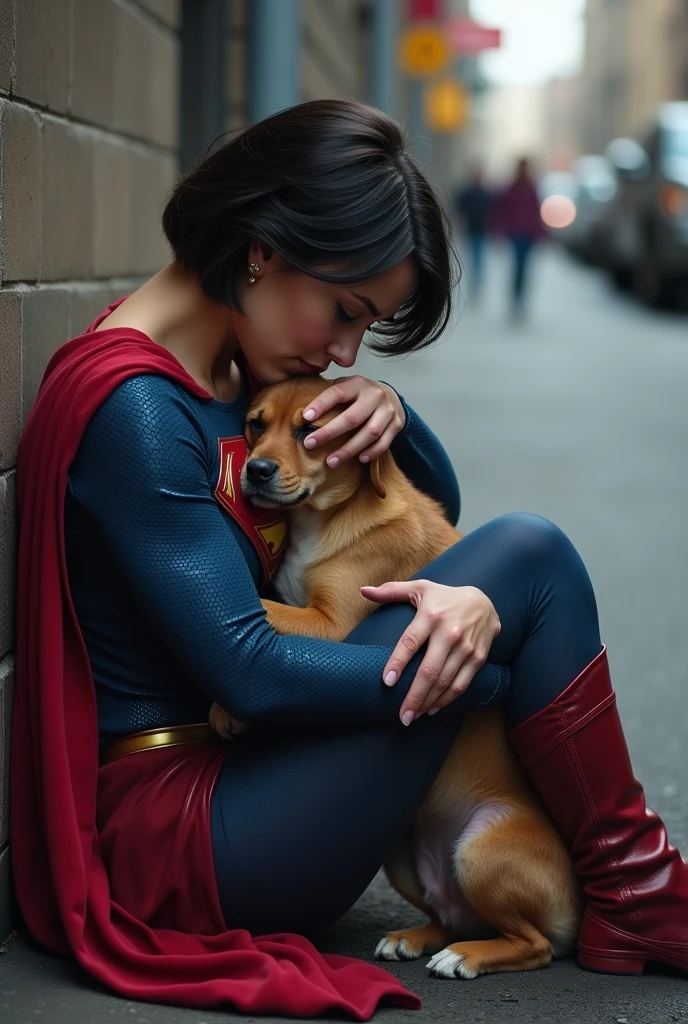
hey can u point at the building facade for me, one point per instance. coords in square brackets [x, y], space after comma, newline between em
[636, 58]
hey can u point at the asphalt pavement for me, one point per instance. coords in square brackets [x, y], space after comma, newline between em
[580, 413]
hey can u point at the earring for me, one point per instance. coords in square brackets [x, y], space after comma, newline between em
[253, 270]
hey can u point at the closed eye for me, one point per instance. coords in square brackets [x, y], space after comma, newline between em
[343, 316]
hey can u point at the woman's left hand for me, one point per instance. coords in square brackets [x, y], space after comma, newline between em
[372, 406]
[459, 624]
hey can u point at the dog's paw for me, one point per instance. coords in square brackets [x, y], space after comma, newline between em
[447, 964]
[394, 947]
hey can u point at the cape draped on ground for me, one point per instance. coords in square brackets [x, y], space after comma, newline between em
[76, 889]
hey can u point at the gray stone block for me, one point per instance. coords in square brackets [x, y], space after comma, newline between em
[10, 376]
[153, 180]
[67, 201]
[6, 43]
[5, 894]
[6, 690]
[20, 173]
[43, 52]
[93, 60]
[133, 65]
[45, 326]
[86, 302]
[164, 91]
[7, 561]
[113, 204]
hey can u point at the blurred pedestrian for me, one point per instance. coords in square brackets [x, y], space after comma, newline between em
[516, 214]
[472, 204]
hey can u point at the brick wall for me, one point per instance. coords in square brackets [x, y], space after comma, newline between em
[88, 136]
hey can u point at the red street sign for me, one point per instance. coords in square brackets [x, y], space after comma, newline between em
[424, 10]
[466, 36]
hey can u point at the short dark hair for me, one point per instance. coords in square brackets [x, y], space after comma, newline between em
[331, 187]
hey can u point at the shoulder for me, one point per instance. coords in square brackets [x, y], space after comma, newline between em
[146, 398]
[146, 412]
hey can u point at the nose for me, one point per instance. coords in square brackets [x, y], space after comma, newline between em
[343, 352]
[259, 471]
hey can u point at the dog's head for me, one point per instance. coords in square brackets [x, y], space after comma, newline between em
[279, 471]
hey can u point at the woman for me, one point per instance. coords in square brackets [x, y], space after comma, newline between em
[289, 243]
[516, 214]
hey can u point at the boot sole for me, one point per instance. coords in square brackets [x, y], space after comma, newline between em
[620, 962]
[610, 962]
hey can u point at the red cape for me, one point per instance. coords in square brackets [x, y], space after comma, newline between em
[59, 873]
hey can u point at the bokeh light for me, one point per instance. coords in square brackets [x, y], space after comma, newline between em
[558, 212]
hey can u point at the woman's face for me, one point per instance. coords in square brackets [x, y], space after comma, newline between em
[296, 324]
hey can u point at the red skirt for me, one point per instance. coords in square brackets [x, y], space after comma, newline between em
[153, 820]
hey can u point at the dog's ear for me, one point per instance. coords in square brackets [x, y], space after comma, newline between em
[376, 472]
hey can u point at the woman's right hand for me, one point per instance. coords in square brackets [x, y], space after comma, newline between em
[224, 724]
[459, 624]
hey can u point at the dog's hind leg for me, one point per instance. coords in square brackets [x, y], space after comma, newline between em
[409, 943]
[516, 878]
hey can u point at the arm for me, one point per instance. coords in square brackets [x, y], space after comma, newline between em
[420, 455]
[141, 472]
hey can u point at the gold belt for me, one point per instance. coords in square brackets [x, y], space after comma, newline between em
[153, 739]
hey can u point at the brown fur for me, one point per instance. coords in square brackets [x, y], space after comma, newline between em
[367, 525]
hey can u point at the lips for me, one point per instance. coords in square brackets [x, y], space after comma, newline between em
[309, 367]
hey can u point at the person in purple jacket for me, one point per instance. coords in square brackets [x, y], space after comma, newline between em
[516, 214]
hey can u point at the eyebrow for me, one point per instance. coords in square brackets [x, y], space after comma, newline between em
[368, 303]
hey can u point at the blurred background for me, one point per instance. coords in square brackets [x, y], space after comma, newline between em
[556, 132]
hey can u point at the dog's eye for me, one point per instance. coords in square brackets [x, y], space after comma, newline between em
[304, 431]
[256, 426]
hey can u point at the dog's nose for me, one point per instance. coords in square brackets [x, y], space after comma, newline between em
[259, 471]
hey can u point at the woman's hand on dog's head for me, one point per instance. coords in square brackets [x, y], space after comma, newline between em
[373, 407]
[459, 625]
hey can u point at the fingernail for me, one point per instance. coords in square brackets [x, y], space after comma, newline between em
[333, 461]
[309, 414]
[391, 678]
[364, 458]
[407, 717]
[310, 442]
[433, 711]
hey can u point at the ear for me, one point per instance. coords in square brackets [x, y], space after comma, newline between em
[376, 469]
[264, 255]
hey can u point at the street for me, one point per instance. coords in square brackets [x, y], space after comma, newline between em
[580, 414]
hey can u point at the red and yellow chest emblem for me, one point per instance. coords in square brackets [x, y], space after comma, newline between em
[264, 527]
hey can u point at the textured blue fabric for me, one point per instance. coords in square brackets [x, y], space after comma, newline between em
[165, 584]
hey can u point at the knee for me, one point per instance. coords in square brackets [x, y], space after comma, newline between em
[542, 549]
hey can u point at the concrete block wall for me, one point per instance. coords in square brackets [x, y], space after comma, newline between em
[88, 140]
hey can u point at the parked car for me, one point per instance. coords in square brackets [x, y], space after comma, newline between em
[595, 188]
[643, 234]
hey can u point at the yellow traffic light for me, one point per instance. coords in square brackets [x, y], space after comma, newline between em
[447, 106]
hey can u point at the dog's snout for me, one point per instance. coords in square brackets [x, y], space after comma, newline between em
[259, 471]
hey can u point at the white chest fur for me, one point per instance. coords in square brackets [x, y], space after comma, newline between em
[302, 546]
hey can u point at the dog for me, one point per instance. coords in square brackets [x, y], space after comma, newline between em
[481, 859]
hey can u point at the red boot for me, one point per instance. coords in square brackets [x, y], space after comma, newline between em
[636, 883]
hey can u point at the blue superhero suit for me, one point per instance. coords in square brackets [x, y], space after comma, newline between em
[164, 582]
[313, 797]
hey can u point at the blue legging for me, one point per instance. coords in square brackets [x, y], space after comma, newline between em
[303, 816]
